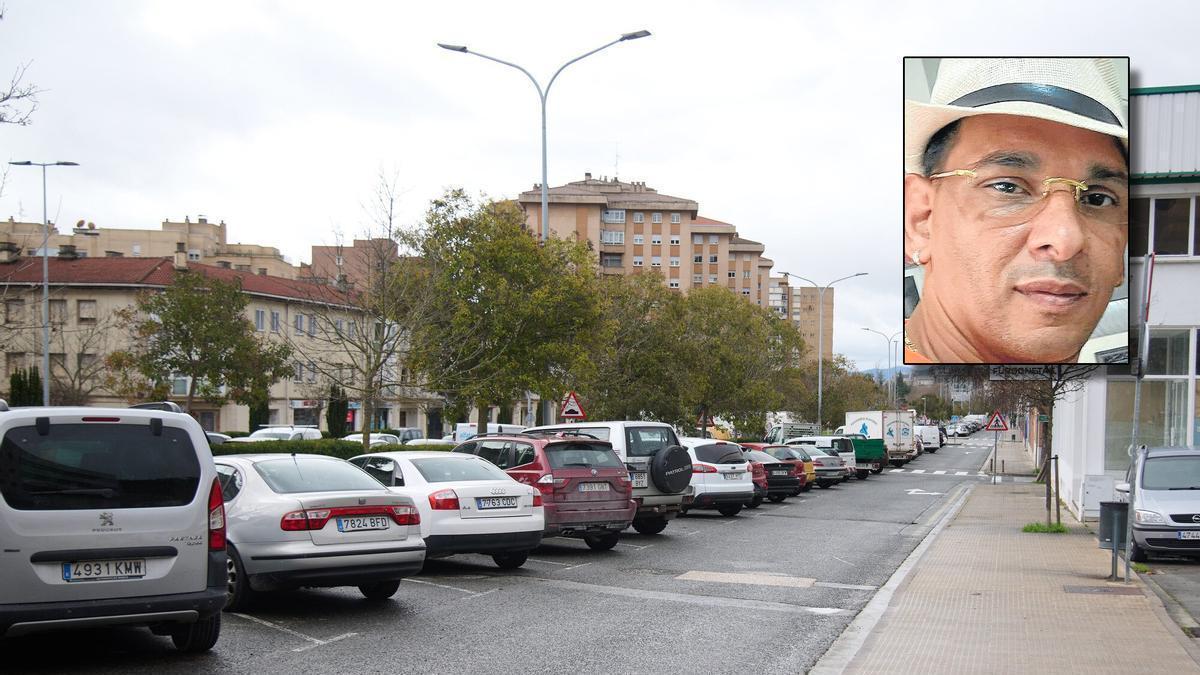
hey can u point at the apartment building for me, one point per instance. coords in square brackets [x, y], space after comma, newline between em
[352, 264]
[204, 243]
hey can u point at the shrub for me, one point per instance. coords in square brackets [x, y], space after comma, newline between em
[326, 446]
[1056, 528]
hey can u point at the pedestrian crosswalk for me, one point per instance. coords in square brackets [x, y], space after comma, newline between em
[926, 472]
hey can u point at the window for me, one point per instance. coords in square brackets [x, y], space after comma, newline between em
[732, 274]
[745, 291]
[58, 311]
[712, 278]
[1163, 418]
[451, 468]
[674, 283]
[1139, 227]
[339, 326]
[1168, 354]
[612, 216]
[312, 372]
[656, 261]
[698, 258]
[194, 255]
[85, 311]
[674, 240]
[314, 474]
[612, 237]
[697, 239]
[13, 361]
[745, 274]
[638, 240]
[85, 362]
[137, 250]
[645, 441]
[58, 362]
[1171, 226]
[713, 238]
[712, 259]
[697, 279]
[297, 371]
[638, 217]
[179, 385]
[339, 261]
[674, 261]
[14, 311]
[299, 322]
[260, 319]
[637, 261]
[656, 218]
[656, 239]
[312, 324]
[274, 321]
[610, 260]
[674, 217]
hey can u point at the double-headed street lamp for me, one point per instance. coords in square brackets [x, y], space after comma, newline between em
[821, 330]
[45, 277]
[542, 94]
[891, 342]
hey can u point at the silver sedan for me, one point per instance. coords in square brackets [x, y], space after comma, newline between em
[310, 520]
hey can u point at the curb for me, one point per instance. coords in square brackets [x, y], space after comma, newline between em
[1174, 617]
[841, 653]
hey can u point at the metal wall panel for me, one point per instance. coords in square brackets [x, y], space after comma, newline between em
[1166, 133]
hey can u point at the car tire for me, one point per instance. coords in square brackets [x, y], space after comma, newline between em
[1137, 553]
[808, 487]
[199, 636]
[863, 473]
[241, 595]
[897, 463]
[379, 590]
[649, 525]
[825, 484]
[511, 560]
[775, 499]
[604, 542]
[754, 503]
[877, 471]
[671, 469]
[729, 510]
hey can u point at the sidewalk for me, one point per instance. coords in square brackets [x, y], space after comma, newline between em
[987, 598]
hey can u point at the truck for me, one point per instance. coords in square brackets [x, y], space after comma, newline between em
[893, 427]
[780, 433]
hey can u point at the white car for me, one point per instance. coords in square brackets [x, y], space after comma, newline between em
[721, 476]
[310, 520]
[467, 504]
[448, 441]
[280, 434]
[376, 439]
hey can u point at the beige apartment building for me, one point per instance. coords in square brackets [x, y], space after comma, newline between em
[352, 264]
[203, 242]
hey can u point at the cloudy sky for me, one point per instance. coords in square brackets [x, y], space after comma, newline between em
[783, 118]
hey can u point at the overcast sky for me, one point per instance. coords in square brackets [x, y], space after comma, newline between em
[275, 117]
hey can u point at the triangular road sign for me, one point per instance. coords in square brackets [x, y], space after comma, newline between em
[571, 408]
[996, 423]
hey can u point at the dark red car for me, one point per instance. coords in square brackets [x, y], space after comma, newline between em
[586, 491]
[781, 479]
[785, 454]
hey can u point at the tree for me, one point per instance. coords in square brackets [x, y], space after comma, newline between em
[197, 328]
[19, 99]
[902, 387]
[25, 387]
[335, 413]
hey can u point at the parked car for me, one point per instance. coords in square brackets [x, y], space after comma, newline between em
[1165, 508]
[216, 439]
[375, 439]
[466, 503]
[661, 470]
[316, 521]
[280, 434]
[406, 434]
[110, 516]
[841, 446]
[721, 477]
[447, 441]
[759, 477]
[586, 491]
[830, 468]
[931, 437]
[792, 455]
[783, 480]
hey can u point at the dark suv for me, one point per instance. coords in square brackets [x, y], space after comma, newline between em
[585, 486]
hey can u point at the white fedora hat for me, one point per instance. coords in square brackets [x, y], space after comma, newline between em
[1084, 93]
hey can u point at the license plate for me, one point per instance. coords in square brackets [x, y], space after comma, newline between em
[101, 570]
[1189, 534]
[593, 487]
[638, 478]
[496, 502]
[735, 476]
[356, 523]
[779, 473]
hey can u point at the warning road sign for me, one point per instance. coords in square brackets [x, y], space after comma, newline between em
[996, 423]
[571, 408]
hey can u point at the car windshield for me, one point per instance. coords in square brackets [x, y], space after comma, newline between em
[781, 452]
[814, 451]
[289, 475]
[585, 455]
[720, 453]
[273, 435]
[1172, 473]
[457, 468]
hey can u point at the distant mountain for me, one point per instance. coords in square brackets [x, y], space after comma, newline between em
[888, 373]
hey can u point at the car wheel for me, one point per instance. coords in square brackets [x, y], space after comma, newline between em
[380, 590]
[877, 471]
[897, 463]
[729, 510]
[649, 525]
[825, 484]
[775, 499]
[604, 542]
[199, 636]
[1137, 553]
[863, 473]
[511, 561]
[241, 595]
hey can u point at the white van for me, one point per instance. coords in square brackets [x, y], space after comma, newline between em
[465, 431]
[842, 446]
[931, 437]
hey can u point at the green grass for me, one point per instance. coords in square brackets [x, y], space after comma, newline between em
[1140, 568]
[1056, 528]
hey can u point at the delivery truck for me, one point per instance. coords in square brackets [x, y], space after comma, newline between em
[893, 427]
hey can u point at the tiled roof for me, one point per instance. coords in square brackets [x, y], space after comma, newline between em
[702, 220]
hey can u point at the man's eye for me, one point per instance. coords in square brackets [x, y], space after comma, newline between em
[1097, 199]
[1005, 187]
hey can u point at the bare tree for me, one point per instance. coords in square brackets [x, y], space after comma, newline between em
[19, 100]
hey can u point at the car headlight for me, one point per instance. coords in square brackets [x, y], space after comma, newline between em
[1143, 517]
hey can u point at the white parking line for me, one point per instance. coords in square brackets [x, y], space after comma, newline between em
[574, 566]
[845, 561]
[938, 473]
[644, 546]
[324, 642]
[918, 471]
[430, 583]
[896, 471]
[852, 587]
[548, 562]
[313, 642]
[960, 473]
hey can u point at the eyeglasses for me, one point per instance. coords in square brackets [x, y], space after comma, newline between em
[1008, 198]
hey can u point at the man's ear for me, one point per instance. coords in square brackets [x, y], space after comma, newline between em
[918, 206]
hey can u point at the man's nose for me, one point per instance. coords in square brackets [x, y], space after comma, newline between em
[1057, 232]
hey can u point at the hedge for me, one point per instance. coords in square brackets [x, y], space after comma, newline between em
[326, 446]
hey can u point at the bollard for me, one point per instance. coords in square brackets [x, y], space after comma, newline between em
[1002, 468]
[1114, 548]
[1058, 497]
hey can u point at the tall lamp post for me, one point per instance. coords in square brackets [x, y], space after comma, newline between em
[891, 342]
[821, 330]
[45, 277]
[542, 94]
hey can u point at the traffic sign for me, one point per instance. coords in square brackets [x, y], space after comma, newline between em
[571, 408]
[996, 423]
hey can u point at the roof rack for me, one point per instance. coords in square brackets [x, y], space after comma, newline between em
[165, 406]
[548, 433]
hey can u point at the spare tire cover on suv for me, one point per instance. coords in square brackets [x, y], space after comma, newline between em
[671, 469]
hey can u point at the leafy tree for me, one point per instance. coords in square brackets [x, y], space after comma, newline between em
[197, 328]
[25, 387]
[335, 414]
[902, 387]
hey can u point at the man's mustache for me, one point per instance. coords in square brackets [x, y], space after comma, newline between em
[1067, 272]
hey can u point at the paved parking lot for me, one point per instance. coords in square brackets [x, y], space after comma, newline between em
[767, 590]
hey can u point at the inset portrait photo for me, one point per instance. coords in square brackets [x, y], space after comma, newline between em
[1016, 210]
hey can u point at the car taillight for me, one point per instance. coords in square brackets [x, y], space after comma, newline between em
[216, 517]
[405, 515]
[546, 483]
[757, 470]
[703, 468]
[794, 472]
[537, 499]
[444, 500]
[312, 519]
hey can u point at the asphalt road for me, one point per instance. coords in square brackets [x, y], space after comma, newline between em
[765, 591]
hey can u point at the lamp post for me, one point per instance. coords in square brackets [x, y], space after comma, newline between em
[821, 330]
[542, 94]
[45, 277]
[891, 342]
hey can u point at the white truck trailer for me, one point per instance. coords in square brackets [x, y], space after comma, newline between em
[894, 427]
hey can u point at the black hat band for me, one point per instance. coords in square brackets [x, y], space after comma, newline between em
[1046, 94]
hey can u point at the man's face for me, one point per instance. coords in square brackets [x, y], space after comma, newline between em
[1027, 285]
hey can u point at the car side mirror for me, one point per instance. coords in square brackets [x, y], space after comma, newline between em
[1123, 488]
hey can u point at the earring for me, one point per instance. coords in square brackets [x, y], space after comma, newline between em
[916, 256]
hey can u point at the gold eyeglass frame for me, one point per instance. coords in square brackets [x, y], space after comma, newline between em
[1079, 186]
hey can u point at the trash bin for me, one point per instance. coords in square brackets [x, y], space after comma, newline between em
[1113, 514]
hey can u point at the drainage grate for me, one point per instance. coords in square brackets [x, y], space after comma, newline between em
[1104, 590]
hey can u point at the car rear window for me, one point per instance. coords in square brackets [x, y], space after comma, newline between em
[290, 475]
[97, 466]
[782, 453]
[446, 469]
[760, 456]
[645, 441]
[586, 455]
[720, 453]
[843, 445]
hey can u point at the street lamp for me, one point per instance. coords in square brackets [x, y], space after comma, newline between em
[891, 341]
[542, 94]
[821, 329]
[45, 277]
